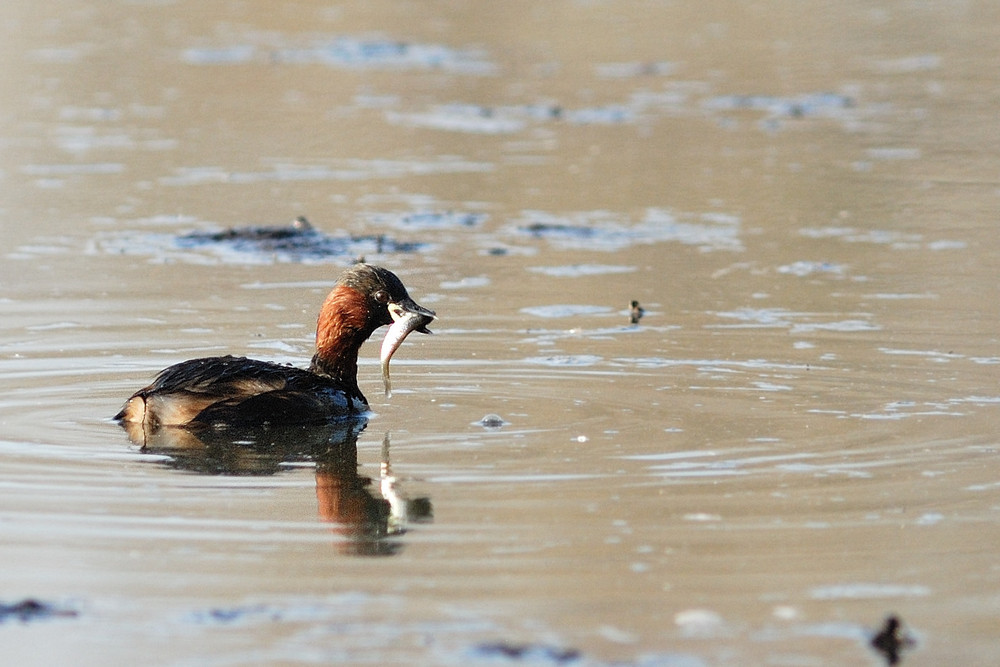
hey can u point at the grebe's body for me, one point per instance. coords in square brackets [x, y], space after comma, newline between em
[246, 392]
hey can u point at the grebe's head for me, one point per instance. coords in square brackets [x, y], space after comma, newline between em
[385, 301]
[385, 298]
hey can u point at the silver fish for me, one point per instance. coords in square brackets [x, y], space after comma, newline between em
[404, 322]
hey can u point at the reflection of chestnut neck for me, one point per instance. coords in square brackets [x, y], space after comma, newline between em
[345, 500]
[340, 490]
[342, 327]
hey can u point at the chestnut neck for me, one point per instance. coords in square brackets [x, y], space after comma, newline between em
[342, 328]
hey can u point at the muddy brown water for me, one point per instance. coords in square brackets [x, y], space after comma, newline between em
[796, 440]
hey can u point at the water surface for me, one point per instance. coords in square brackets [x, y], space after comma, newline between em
[797, 439]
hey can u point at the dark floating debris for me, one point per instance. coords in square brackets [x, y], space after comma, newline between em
[295, 242]
[890, 640]
[532, 652]
[299, 227]
[635, 312]
[32, 610]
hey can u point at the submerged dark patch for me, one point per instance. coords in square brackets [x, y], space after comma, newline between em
[547, 229]
[532, 652]
[32, 610]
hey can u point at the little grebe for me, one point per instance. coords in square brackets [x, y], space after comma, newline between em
[246, 392]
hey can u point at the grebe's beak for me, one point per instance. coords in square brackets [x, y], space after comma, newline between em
[407, 316]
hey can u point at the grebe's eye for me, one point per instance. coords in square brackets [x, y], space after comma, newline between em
[381, 296]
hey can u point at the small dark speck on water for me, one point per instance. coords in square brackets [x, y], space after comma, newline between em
[231, 615]
[890, 640]
[31, 610]
[635, 312]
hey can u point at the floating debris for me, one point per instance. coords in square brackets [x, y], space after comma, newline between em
[299, 227]
[296, 241]
[299, 241]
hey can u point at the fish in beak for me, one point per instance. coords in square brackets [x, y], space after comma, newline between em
[407, 316]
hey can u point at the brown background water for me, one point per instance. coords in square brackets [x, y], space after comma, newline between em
[798, 439]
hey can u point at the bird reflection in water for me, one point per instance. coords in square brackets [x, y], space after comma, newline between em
[368, 521]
